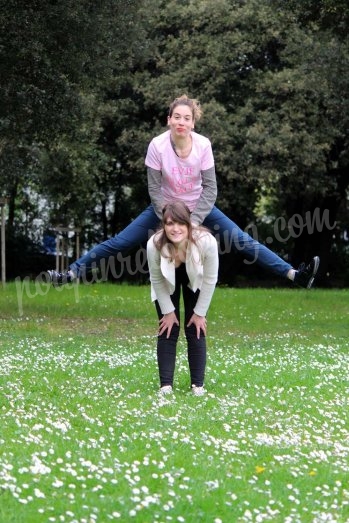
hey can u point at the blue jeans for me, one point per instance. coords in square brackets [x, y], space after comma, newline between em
[230, 236]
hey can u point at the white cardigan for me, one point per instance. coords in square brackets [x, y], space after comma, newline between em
[201, 266]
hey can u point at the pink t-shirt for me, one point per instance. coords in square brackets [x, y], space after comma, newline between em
[181, 178]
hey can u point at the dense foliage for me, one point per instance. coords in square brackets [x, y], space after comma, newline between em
[87, 85]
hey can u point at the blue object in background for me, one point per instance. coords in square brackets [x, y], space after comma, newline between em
[49, 244]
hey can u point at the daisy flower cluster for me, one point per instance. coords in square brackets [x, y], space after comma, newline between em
[85, 437]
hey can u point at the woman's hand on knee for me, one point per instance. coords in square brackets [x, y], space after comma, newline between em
[166, 323]
[200, 324]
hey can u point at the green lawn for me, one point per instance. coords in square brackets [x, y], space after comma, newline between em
[85, 437]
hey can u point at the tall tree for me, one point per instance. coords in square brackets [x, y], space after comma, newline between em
[56, 58]
[275, 92]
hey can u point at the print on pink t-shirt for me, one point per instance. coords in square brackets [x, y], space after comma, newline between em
[180, 178]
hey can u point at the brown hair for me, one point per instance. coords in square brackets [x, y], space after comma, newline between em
[193, 104]
[180, 213]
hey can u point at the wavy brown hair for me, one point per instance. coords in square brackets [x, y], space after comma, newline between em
[177, 212]
[193, 104]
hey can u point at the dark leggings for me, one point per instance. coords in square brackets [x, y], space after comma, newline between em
[166, 347]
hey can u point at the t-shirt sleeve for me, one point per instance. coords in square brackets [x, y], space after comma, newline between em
[153, 158]
[207, 160]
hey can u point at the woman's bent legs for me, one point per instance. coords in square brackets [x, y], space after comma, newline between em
[166, 356]
[166, 347]
[196, 346]
[196, 356]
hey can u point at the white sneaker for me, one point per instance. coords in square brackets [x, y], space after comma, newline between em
[197, 391]
[166, 389]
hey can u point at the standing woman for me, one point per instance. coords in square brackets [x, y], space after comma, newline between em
[183, 258]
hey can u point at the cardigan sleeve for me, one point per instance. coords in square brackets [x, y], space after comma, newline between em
[209, 249]
[157, 279]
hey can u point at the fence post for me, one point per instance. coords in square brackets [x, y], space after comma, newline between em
[63, 244]
[3, 202]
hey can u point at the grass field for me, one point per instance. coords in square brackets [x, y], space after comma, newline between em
[85, 437]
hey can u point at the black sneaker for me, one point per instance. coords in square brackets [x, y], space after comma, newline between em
[60, 278]
[306, 274]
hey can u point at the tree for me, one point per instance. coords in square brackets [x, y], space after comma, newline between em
[85, 99]
[274, 90]
[332, 15]
[56, 59]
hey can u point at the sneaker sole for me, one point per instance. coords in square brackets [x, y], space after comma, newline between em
[53, 281]
[316, 267]
[166, 392]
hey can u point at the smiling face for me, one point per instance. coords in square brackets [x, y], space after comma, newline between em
[176, 232]
[181, 121]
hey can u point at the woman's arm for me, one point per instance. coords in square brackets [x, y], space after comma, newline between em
[157, 279]
[161, 291]
[207, 198]
[209, 248]
[154, 190]
[200, 324]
